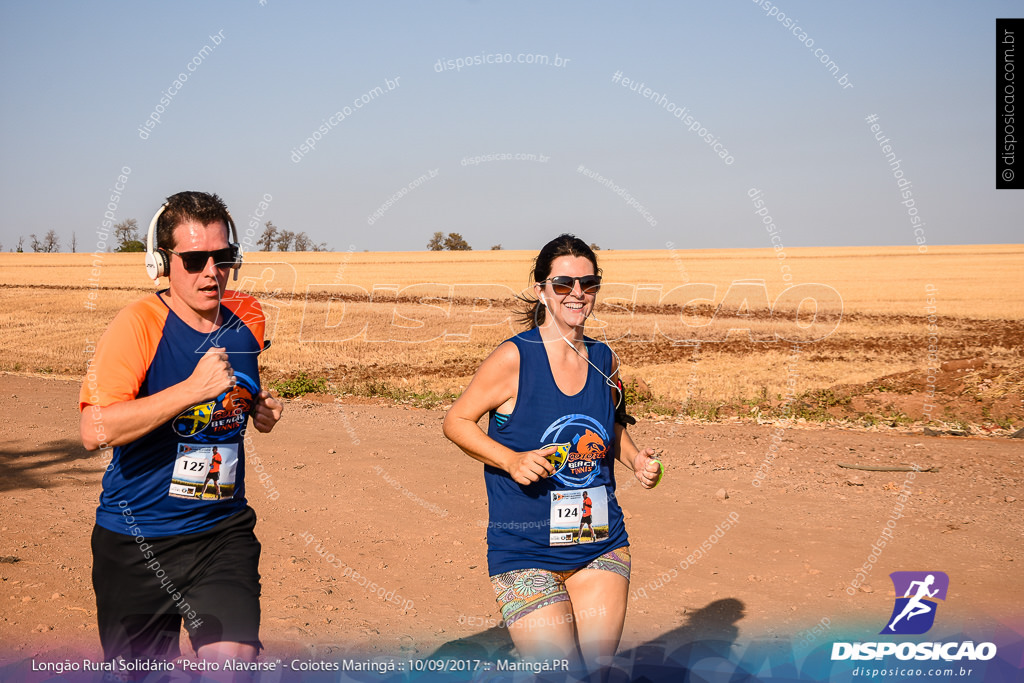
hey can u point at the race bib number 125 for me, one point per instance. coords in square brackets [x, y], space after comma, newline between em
[204, 471]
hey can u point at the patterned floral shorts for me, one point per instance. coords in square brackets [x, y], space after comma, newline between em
[522, 591]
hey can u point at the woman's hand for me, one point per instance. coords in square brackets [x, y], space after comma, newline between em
[528, 467]
[647, 468]
[266, 412]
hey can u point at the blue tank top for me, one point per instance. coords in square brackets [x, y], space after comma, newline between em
[538, 526]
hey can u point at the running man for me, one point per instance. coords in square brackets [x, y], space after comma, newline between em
[213, 474]
[155, 395]
[586, 519]
[915, 605]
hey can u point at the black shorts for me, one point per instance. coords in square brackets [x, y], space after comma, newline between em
[210, 580]
[212, 476]
[585, 520]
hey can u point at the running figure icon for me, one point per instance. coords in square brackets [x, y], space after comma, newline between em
[586, 519]
[915, 605]
[213, 474]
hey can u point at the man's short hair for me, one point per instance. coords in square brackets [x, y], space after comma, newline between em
[185, 207]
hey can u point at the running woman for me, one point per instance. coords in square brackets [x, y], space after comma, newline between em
[544, 388]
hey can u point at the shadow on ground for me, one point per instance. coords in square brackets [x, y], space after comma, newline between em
[41, 466]
[705, 641]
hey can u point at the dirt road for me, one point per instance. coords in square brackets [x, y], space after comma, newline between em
[382, 495]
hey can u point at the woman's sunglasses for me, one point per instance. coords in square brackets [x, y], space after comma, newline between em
[563, 284]
[195, 261]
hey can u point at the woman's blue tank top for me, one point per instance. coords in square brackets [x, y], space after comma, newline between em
[535, 526]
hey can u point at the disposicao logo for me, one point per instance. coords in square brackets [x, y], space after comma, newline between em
[916, 604]
[914, 613]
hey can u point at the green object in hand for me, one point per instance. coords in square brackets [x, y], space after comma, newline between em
[661, 472]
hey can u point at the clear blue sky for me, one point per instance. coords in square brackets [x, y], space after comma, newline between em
[79, 79]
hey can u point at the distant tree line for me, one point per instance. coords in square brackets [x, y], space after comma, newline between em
[452, 242]
[47, 245]
[128, 239]
[275, 239]
[126, 235]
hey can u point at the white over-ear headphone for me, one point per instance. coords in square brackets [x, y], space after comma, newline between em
[158, 264]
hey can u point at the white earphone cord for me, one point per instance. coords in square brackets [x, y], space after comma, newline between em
[608, 380]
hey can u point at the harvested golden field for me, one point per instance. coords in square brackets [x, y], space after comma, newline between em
[823, 333]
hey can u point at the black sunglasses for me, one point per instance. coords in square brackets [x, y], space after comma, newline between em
[195, 261]
[563, 284]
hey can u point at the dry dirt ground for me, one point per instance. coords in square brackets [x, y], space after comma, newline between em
[378, 487]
